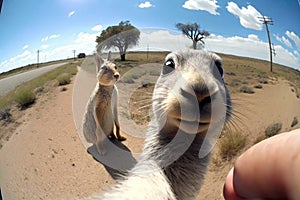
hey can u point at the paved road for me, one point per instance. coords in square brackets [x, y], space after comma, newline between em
[10, 83]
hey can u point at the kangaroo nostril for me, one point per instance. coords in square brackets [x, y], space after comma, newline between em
[116, 76]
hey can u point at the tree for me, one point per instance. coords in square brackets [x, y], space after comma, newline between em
[122, 36]
[193, 32]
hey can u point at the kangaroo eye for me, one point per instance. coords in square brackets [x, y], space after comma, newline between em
[116, 67]
[168, 67]
[105, 68]
[220, 68]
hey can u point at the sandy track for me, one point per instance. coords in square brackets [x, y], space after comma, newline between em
[45, 158]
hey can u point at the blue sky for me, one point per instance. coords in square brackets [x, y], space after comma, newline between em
[57, 27]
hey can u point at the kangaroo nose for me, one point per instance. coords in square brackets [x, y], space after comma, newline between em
[117, 75]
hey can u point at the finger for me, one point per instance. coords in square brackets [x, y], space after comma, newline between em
[228, 190]
[270, 169]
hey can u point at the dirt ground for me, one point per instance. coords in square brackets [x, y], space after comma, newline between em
[45, 159]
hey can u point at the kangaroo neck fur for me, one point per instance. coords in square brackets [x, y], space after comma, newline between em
[104, 93]
[179, 159]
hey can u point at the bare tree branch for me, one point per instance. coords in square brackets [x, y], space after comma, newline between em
[193, 32]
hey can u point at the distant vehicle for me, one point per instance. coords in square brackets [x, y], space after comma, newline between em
[81, 55]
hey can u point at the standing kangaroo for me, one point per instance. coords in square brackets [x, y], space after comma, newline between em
[102, 108]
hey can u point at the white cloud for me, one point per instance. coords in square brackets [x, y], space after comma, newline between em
[22, 59]
[71, 13]
[277, 38]
[158, 40]
[283, 40]
[83, 38]
[207, 5]
[145, 4]
[54, 36]
[248, 16]
[161, 40]
[44, 46]
[97, 28]
[253, 37]
[287, 42]
[294, 37]
[250, 46]
[25, 46]
[50, 37]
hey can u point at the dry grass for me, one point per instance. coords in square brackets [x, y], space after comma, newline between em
[230, 144]
[64, 79]
[140, 105]
[246, 89]
[24, 98]
[273, 129]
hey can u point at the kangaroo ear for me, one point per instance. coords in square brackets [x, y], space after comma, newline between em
[99, 61]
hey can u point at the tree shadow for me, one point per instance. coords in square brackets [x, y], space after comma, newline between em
[118, 159]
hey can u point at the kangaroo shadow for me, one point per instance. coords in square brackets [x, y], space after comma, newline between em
[118, 159]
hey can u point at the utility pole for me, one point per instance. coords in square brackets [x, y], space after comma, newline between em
[38, 58]
[147, 52]
[1, 2]
[266, 21]
[74, 51]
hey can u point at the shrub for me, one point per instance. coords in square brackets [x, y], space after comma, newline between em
[246, 89]
[258, 86]
[231, 144]
[234, 83]
[64, 79]
[24, 98]
[5, 114]
[295, 122]
[231, 73]
[39, 90]
[273, 129]
[263, 81]
[63, 89]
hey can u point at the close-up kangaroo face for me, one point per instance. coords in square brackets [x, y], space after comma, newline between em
[108, 74]
[192, 92]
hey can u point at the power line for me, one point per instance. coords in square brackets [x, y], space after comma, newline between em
[267, 21]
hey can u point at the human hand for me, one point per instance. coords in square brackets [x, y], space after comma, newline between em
[268, 170]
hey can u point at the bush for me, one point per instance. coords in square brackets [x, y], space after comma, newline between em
[263, 81]
[246, 89]
[258, 86]
[24, 98]
[231, 144]
[5, 114]
[64, 79]
[273, 129]
[295, 122]
[234, 83]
